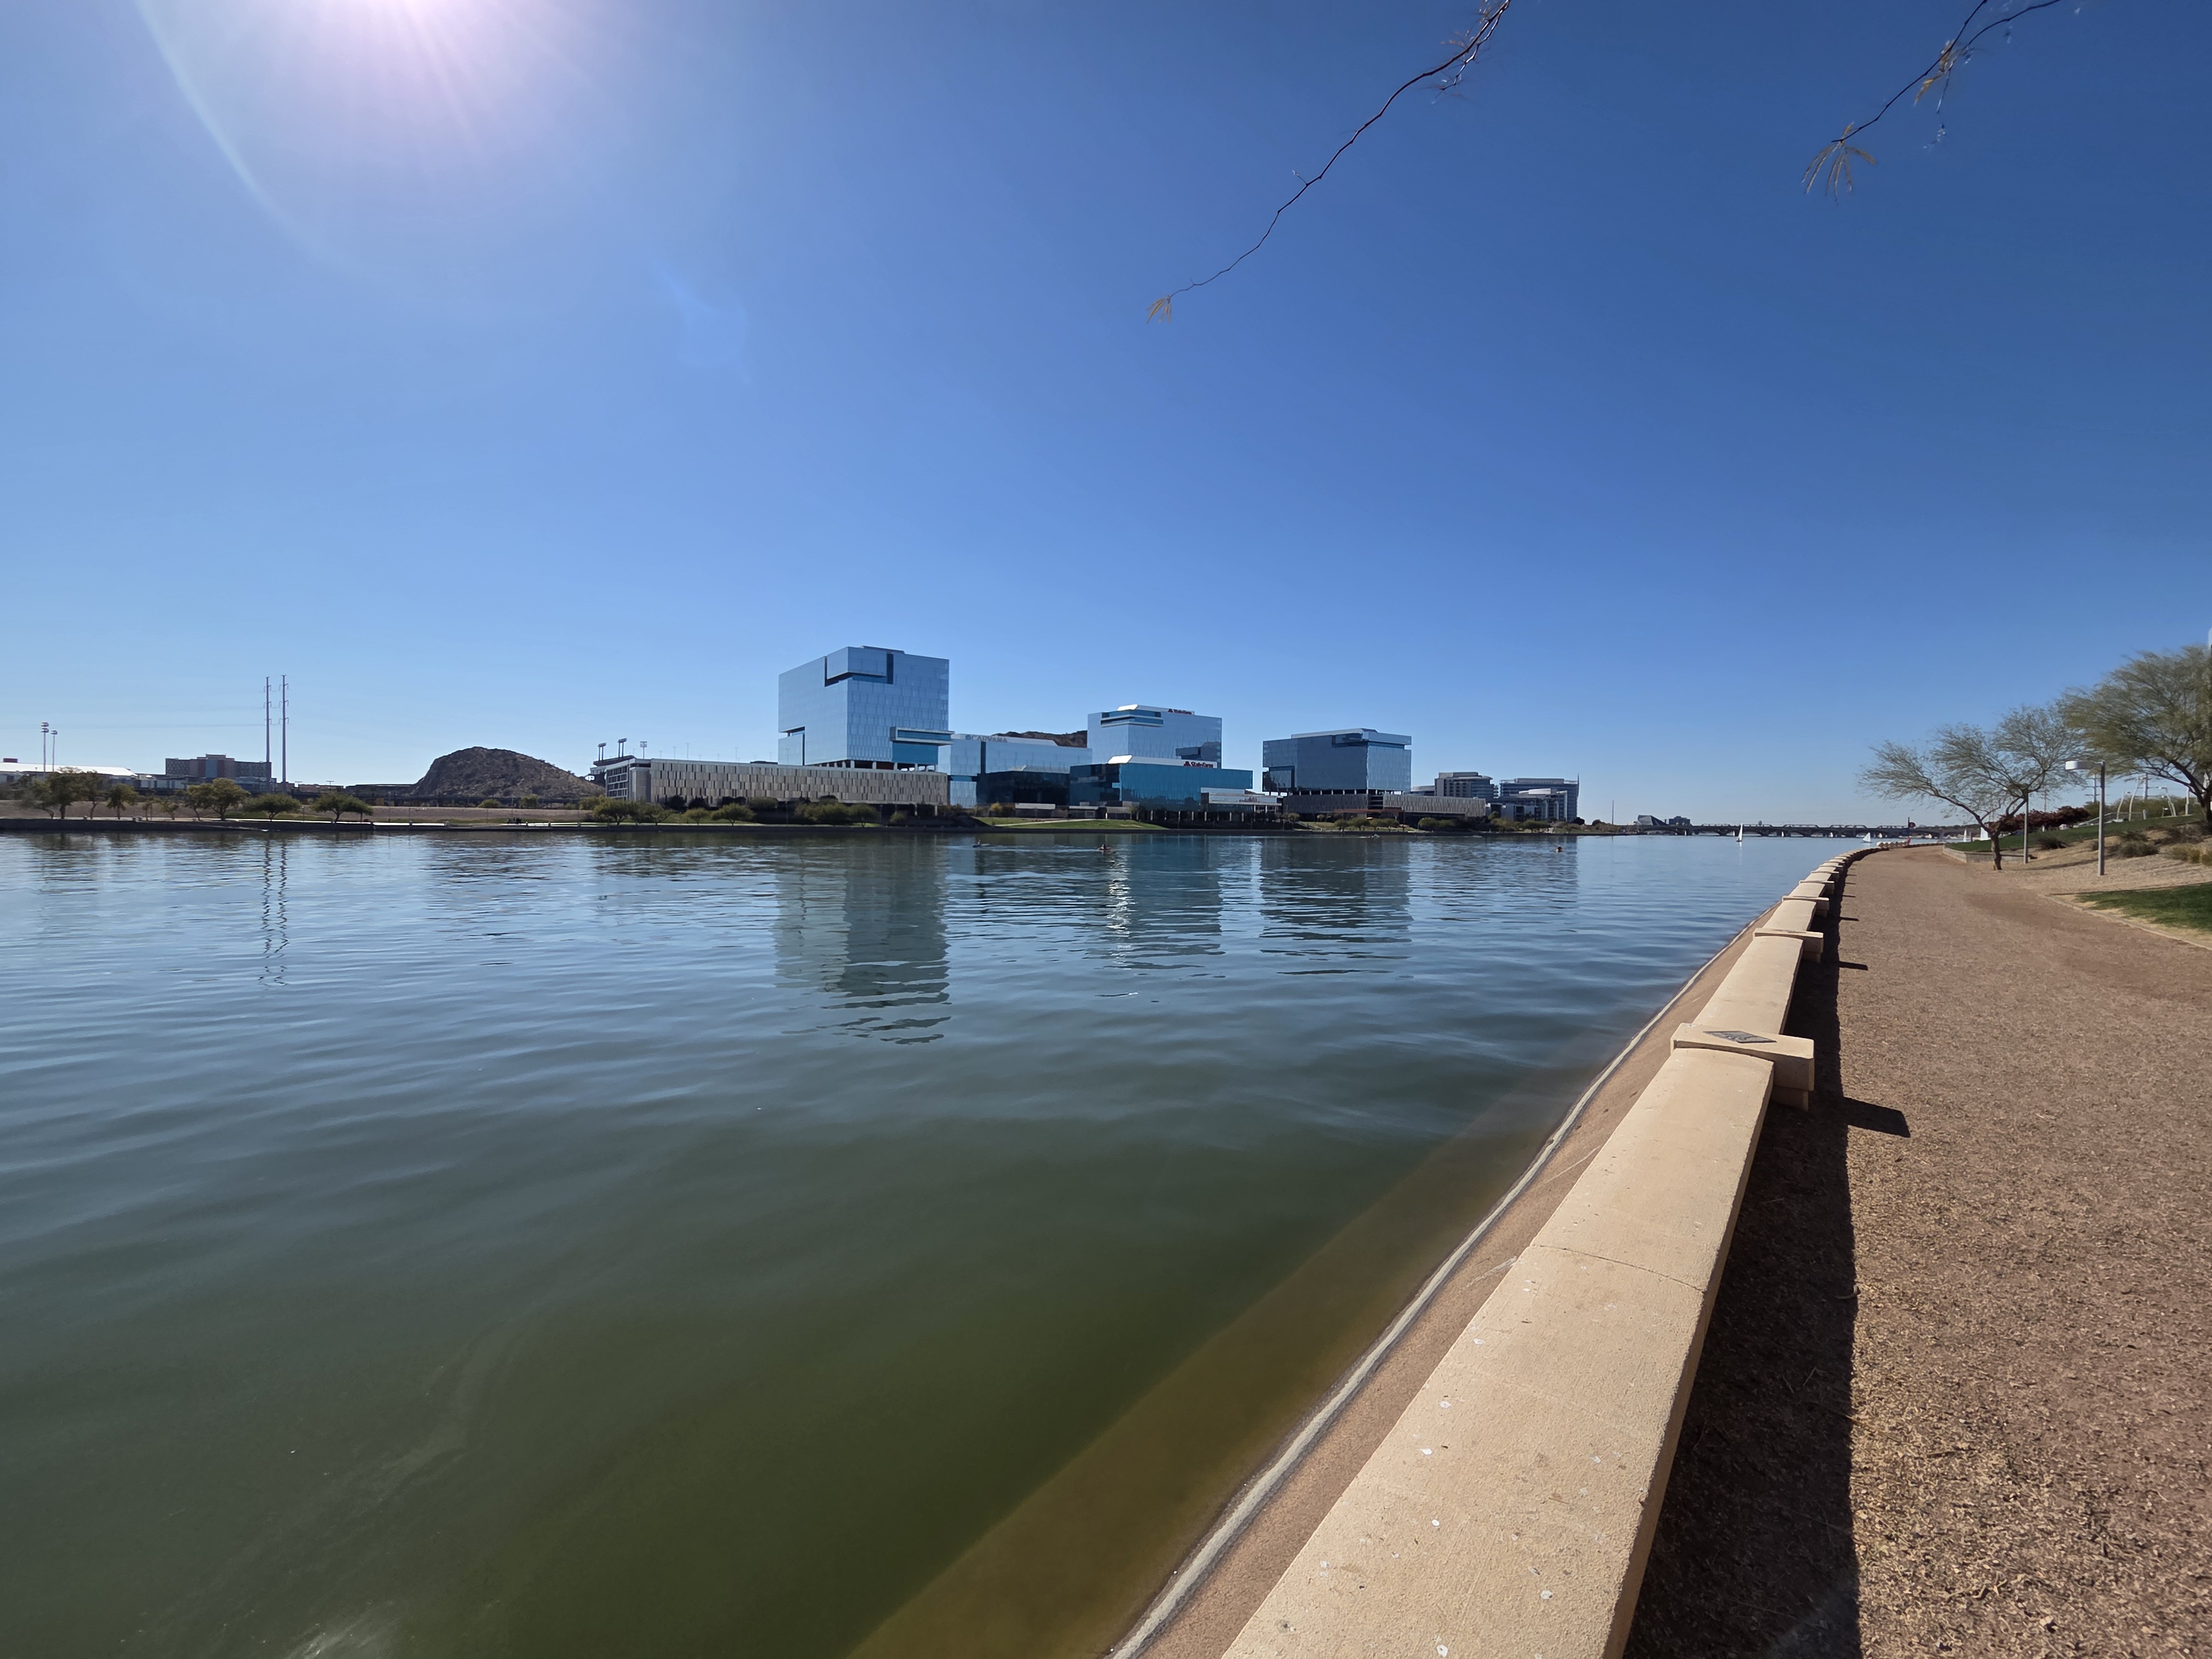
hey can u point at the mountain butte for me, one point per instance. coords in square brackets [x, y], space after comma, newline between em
[473, 774]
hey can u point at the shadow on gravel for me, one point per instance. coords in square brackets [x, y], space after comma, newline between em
[1882, 1120]
[1754, 1554]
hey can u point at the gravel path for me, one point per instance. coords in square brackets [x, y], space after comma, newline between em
[1954, 1398]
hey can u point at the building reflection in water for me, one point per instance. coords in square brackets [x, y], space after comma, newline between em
[1159, 899]
[276, 932]
[1341, 904]
[865, 925]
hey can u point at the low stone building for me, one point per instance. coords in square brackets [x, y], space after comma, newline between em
[663, 782]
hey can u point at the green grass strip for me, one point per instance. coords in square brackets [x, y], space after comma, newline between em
[2176, 907]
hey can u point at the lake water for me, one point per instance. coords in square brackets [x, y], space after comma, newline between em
[589, 1245]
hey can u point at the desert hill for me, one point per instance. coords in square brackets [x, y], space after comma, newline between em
[469, 775]
[1065, 739]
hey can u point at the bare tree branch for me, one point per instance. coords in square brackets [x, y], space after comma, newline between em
[1448, 75]
[1832, 168]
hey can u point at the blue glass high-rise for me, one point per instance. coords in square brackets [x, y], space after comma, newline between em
[1145, 731]
[864, 705]
[1355, 759]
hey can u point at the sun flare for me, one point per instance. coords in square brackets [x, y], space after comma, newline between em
[358, 122]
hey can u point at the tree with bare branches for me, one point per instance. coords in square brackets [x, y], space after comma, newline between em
[1981, 771]
[1830, 170]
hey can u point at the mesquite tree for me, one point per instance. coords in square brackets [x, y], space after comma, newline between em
[2153, 714]
[1981, 771]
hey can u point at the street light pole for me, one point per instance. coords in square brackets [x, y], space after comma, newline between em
[2075, 766]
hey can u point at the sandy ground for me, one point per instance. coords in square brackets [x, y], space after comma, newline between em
[2075, 871]
[1954, 1397]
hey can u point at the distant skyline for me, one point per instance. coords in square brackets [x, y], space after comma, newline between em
[534, 374]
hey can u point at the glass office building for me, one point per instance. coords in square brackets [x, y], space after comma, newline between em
[970, 757]
[865, 705]
[1552, 800]
[1466, 785]
[1356, 759]
[1173, 783]
[1142, 730]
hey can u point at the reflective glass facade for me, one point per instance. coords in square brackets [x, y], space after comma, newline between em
[971, 755]
[1150, 783]
[1467, 786]
[1143, 731]
[1552, 800]
[1324, 762]
[1023, 787]
[864, 706]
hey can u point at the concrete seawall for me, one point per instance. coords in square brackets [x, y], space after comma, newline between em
[1510, 1507]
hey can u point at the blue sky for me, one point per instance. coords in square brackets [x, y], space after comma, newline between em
[535, 374]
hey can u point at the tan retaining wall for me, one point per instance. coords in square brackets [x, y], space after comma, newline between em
[1510, 1508]
[713, 780]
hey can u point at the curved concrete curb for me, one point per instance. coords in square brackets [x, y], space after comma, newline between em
[1510, 1508]
[1262, 1488]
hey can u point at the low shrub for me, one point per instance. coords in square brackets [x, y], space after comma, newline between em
[490, 800]
[629, 811]
[836, 812]
[734, 811]
[2134, 844]
[2050, 843]
[340, 804]
[2192, 854]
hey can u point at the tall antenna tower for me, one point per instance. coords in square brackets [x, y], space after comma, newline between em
[266, 755]
[284, 750]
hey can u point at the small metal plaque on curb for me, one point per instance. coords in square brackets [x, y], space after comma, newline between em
[1738, 1036]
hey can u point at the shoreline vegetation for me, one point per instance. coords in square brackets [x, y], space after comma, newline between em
[2177, 836]
[481, 823]
[759, 817]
